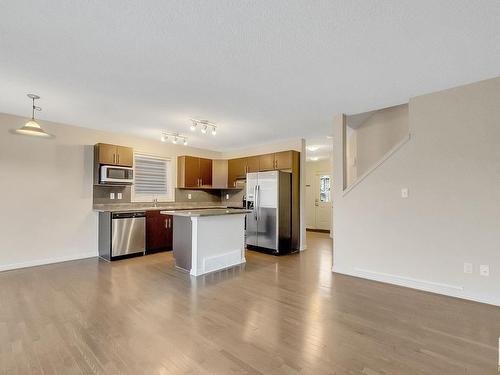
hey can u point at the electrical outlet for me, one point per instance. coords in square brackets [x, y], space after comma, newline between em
[405, 193]
[189, 196]
[468, 268]
[119, 196]
[227, 196]
[111, 195]
[484, 270]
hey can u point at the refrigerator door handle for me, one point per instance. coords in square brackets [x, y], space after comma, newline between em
[255, 202]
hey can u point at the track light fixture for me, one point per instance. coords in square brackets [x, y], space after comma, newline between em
[204, 125]
[175, 137]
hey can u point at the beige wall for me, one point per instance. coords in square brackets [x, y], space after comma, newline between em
[46, 189]
[374, 138]
[451, 166]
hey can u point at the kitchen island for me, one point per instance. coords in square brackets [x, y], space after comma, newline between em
[208, 240]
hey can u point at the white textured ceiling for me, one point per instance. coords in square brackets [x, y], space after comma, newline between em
[263, 70]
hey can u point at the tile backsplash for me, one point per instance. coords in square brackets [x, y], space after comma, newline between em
[102, 194]
[235, 197]
[182, 195]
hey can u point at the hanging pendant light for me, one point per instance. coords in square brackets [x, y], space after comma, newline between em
[32, 127]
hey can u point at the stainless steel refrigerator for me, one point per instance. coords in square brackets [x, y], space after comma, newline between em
[268, 226]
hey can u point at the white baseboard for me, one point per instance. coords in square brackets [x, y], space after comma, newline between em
[41, 262]
[456, 291]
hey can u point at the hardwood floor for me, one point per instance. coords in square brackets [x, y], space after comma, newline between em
[275, 315]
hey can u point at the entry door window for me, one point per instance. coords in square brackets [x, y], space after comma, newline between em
[324, 189]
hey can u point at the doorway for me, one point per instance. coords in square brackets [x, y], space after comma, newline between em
[318, 197]
[323, 202]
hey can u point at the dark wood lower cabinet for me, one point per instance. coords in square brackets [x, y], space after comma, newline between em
[159, 232]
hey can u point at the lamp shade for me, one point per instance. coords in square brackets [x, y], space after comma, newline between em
[32, 128]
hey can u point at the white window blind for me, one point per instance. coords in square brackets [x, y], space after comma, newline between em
[152, 178]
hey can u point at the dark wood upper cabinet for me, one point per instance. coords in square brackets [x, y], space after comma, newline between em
[252, 164]
[115, 155]
[159, 231]
[125, 156]
[194, 172]
[191, 171]
[283, 160]
[236, 168]
[266, 162]
[106, 153]
[205, 172]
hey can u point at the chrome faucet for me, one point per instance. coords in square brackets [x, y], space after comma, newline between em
[155, 202]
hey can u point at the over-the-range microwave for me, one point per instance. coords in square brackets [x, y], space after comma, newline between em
[113, 175]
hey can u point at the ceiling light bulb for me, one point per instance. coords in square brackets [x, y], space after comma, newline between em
[174, 141]
[185, 142]
[204, 129]
[214, 132]
[163, 138]
[192, 127]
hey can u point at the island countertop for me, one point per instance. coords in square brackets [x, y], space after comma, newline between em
[163, 206]
[207, 212]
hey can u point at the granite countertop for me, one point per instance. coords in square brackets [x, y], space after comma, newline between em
[207, 212]
[129, 207]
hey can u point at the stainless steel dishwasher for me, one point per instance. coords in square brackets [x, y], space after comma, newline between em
[128, 233]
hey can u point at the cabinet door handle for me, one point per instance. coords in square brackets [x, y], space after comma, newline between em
[166, 223]
[118, 158]
[114, 158]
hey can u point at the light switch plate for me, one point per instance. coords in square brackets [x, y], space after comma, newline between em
[119, 196]
[484, 270]
[468, 268]
[405, 193]
[111, 195]
[189, 196]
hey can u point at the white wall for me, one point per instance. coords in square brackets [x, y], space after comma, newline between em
[46, 190]
[451, 166]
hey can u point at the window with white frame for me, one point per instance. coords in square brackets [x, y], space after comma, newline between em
[152, 178]
[324, 189]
